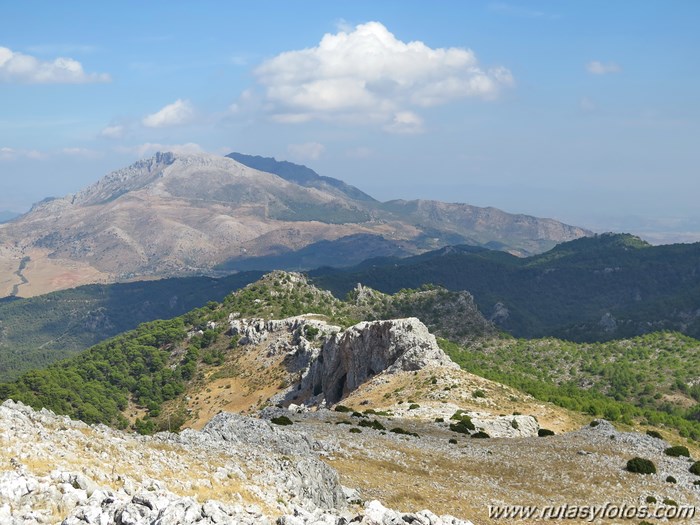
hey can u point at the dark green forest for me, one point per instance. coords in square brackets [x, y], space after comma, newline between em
[38, 331]
[598, 288]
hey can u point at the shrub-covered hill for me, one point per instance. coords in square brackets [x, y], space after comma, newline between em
[152, 364]
[649, 380]
[41, 330]
[598, 288]
[654, 378]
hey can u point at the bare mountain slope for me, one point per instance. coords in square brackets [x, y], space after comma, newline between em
[187, 214]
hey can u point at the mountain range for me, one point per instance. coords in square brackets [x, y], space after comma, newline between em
[595, 288]
[202, 214]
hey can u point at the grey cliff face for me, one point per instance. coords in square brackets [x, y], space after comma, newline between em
[362, 351]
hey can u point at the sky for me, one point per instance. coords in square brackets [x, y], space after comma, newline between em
[587, 112]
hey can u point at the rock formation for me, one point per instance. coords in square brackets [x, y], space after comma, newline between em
[350, 358]
[280, 469]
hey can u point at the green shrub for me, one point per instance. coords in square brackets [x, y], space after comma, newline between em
[677, 451]
[457, 416]
[343, 422]
[544, 432]
[281, 420]
[671, 479]
[641, 466]
[594, 423]
[310, 332]
[478, 393]
[651, 499]
[670, 502]
[514, 424]
[358, 414]
[439, 420]
[403, 432]
[463, 426]
[355, 430]
[480, 435]
[414, 406]
[695, 468]
[654, 434]
[376, 425]
[342, 408]
[464, 422]
[452, 441]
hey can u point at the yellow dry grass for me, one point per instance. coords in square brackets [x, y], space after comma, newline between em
[250, 379]
[47, 275]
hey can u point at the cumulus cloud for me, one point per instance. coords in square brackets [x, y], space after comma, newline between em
[595, 67]
[175, 114]
[113, 132]
[306, 151]
[369, 75]
[22, 68]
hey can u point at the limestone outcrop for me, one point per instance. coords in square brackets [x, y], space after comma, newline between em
[347, 359]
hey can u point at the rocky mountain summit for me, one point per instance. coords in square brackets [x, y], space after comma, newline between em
[176, 214]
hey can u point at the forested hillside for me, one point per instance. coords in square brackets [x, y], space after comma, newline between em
[42, 330]
[650, 380]
[591, 289]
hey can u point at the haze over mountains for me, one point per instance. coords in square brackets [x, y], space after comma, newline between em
[196, 214]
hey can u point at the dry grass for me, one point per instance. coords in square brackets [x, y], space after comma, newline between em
[250, 378]
[465, 479]
[386, 392]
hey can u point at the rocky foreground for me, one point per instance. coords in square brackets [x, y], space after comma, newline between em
[55, 470]
[340, 420]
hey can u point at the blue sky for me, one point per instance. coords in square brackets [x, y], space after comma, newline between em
[584, 111]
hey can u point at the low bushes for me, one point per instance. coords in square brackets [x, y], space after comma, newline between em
[641, 466]
[677, 451]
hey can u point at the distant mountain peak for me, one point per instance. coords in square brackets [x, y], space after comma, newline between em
[300, 174]
[181, 214]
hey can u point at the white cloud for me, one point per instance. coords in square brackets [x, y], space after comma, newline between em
[18, 67]
[367, 75]
[150, 148]
[405, 122]
[306, 151]
[598, 68]
[175, 114]
[14, 154]
[113, 132]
